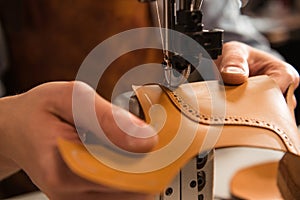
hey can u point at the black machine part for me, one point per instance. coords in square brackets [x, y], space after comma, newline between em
[187, 19]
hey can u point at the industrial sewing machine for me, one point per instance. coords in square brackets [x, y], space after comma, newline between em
[185, 16]
[195, 180]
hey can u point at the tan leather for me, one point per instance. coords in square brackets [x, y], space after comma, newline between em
[288, 177]
[255, 104]
[256, 115]
[256, 182]
[274, 180]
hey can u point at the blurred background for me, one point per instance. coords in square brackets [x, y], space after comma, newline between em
[279, 21]
[48, 40]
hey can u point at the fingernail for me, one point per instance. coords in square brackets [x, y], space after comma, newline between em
[232, 70]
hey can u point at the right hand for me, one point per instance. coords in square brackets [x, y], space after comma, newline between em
[31, 124]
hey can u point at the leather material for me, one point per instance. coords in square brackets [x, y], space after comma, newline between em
[256, 182]
[288, 177]
[193, 119]
[255, 104]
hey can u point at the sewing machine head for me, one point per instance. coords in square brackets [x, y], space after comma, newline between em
[185, 16]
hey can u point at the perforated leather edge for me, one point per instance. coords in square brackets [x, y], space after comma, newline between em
[194, 115]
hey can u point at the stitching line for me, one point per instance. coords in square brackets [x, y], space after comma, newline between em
[194, 115]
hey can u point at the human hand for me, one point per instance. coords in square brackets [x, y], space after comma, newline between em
[32, 122]
[239, 61]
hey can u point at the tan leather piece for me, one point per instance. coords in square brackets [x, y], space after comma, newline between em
[274, 180]
[256, 182]
[251, 105]
[256, 116]
[155, 174]
[288, 177]
[85, 165]
[255, 104]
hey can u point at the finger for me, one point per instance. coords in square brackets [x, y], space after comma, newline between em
[81, 106]
[124, 129]
[282, 73]
[233, 63]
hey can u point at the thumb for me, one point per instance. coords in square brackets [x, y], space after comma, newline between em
[233, 64]
[111, 124]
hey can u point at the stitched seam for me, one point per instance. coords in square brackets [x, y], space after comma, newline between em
[194, 115]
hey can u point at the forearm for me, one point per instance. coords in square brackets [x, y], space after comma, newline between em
[7, 165]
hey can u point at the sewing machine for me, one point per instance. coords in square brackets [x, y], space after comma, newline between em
[195, 180]
[185, 16]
